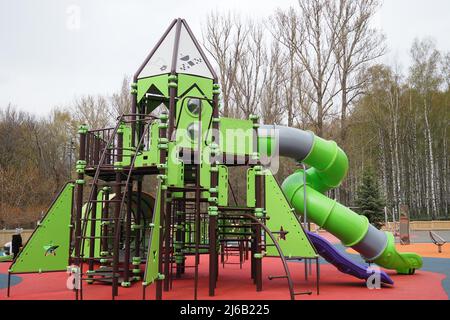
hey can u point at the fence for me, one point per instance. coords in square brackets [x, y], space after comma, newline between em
[6, 235]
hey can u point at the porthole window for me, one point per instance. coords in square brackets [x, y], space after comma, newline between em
[194, 106]
[192, 131]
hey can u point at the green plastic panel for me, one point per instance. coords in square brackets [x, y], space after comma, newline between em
[48, 247]
[98, 227]
[294, 243]
[159, 82]
[251, 200]
[205, 175]
[151, 268]
[223, 186]
[236, 136]
[186, 119]
[175, 167]
[150, 156]
[126, 152]
[186, 82]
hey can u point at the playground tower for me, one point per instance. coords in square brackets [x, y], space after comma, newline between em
[154, 190]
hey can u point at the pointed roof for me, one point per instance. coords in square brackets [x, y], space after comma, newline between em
[176, 52]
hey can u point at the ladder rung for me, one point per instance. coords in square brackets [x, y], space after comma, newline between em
[277, 277]
[102, 219]
[96, 237]
[302, 293]
[99, 279]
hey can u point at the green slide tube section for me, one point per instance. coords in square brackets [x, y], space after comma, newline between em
[329, 166]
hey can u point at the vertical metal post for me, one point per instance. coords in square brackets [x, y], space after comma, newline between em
[126, 262]
[137, 240]
[134, 108]
[9, 284]
[162, 207]
[259, 191]
[178, 237]
[317, 275]
[305, 218]
[79, 200]
[167, 248]
[118, 193]
[92, 221]
[258, 251]
[105, 217]
[213, 257]
[197, 201]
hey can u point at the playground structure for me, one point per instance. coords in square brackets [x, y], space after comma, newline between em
[106, 227]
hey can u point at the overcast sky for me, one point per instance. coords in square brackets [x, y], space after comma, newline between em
[47, 58]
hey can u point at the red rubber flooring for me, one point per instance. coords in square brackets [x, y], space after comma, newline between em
[236, 284]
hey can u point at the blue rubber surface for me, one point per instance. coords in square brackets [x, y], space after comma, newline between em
[4, 280]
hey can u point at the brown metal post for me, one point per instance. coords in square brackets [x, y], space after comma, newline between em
[92, 221]
[126, 262]
[167, 237]
[183, 231]
[213, 256]
[258, 204]
[79, 198]
[179, 214]
[118, 193]
[172, 88]
[105, 216]
[133, 111]
[137, 240]
[162, 160]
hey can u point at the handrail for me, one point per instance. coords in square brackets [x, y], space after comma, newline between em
[125, 194]
[97, 172]
[283, 258]
[95, 180]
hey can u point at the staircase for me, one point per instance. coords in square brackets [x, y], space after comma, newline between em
[103, 225]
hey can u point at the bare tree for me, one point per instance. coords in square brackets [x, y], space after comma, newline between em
[283, 25]
[121, 101]
[93, 111]
[446, 69]
[252, 72]
[313, 43]
[425, 78]
[357, 46]
[272, 108]
[224, 38]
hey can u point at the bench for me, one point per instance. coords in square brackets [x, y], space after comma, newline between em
[437, 240]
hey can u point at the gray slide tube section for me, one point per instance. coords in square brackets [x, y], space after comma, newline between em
[296, 144]
[292, 143]
[372, 245]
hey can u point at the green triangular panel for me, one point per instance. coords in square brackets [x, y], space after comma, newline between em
[48, 247]
[160, 82]
[151, 268]
[294, 243]
[185, 82]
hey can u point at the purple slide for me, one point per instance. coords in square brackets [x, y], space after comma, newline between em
[342, 263]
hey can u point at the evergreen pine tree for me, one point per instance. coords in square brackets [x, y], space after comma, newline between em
[369, 199]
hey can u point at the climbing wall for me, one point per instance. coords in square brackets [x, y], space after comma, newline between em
[48, 247]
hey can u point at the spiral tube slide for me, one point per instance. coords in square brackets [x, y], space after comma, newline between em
[329, 165]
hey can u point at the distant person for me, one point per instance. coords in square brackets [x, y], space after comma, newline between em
[7, 248]
[16, 242]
